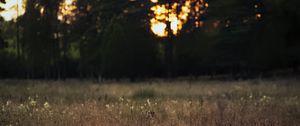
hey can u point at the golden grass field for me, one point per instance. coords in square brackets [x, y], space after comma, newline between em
[258, 102]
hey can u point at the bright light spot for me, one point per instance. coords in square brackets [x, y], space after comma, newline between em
[177, 14]
[67, 11]
[12, 9]
[206, 5]
[159, 28]
[154, 1]
[42, 10]
[258, 16]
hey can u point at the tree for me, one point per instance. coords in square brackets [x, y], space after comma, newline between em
[2, 1]
[128, 50]
[1, 39]
[39, 36]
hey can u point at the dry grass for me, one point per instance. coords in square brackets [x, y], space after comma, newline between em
[191, 103]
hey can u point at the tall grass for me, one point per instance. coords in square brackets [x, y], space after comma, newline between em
[192, 103]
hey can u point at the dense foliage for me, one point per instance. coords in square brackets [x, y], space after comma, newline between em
[112, 39]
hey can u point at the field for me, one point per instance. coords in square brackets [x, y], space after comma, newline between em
[258, 102]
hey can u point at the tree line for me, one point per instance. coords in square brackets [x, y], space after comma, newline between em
[112, 39]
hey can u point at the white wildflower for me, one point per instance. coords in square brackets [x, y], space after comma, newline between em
[33, 103]
[107, 106]
[148, 101]
[8, 103]
[46, 105]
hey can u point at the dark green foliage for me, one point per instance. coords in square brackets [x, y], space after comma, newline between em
[112, 39]
[127, 50]
[2, 43]
[10, 67]
[40, 46]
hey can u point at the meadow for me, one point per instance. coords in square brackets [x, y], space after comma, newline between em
[256, 102]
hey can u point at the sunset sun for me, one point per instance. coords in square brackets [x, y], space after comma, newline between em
[12, 9]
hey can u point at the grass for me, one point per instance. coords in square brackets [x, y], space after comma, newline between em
[145, 93]
[272, 102]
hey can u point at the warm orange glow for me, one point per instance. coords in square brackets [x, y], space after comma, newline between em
[154, 1]
[165, 13]
[159, 28]
[206, 5]
[258, 16]
[12, 9]
[40, 8]
[67, 11]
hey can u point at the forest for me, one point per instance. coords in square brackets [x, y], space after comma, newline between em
[150, 62]
[56, 39]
